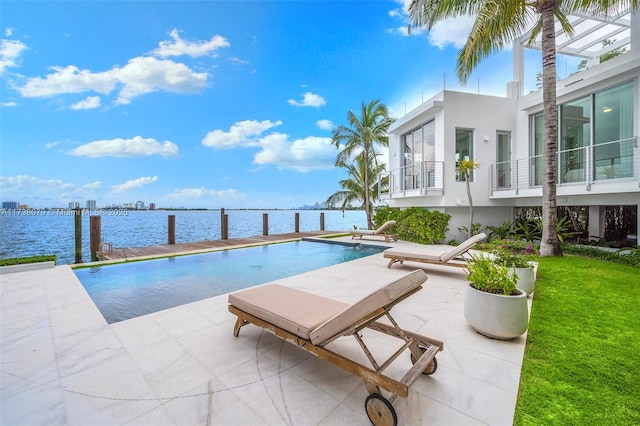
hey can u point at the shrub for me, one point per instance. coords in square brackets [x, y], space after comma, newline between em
[31, 259]
[416, 224]
[514, 253]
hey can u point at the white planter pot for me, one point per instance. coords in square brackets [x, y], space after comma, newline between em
[526, 278]
[495, 315]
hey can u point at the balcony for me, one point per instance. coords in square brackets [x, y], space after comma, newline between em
[424, 178]
[581, 169]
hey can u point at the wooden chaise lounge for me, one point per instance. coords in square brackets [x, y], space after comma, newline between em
[382, 231]
[310, 322]
[438, 255]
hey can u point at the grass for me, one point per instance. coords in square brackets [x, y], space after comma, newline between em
[582, 359]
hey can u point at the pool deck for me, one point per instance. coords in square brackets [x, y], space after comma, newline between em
[63, 364]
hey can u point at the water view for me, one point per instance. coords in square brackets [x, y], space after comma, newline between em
[52, 232]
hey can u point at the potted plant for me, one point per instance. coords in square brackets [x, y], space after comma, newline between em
[519, 257]
[493, 305]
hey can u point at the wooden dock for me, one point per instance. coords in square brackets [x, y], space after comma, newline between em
[163, 250]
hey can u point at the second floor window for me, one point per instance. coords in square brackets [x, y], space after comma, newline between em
[464, 150]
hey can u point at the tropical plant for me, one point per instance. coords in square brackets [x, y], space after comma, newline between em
[514, 253]
[353, 187]
[465, 167]
[529, 230]
[416, 224]
[500, 22]
[359, 139]
[476, 228]
[486, 275]
[503, 231]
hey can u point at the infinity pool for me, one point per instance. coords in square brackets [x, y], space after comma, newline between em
[128, 290]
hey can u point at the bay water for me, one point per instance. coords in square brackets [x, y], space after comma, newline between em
[42, 232]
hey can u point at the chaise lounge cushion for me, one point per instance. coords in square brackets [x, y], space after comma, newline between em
[294, 310]
[382, 297]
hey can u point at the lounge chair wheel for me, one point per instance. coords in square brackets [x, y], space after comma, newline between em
[380, 410]
[429, 369]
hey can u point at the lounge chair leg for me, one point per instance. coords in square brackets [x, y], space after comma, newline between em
[236, 328]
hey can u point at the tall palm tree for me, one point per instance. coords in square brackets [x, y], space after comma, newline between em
[353, 187]
[500, 22]
[360, 137]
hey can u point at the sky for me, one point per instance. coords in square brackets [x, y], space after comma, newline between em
[207, 104]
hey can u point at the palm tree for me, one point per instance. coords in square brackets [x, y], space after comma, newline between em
[499, 23]
[353, 187]
[466, 167]
[359, 139]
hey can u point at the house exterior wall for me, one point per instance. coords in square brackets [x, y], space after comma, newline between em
[486, 115]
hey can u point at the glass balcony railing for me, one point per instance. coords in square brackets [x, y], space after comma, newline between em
[588, 165]
[419, 178]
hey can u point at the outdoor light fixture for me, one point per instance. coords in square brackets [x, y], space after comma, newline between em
[606, 109]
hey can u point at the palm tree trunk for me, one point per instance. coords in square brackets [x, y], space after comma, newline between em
[367, 202]
[549, 246]
[470, 231]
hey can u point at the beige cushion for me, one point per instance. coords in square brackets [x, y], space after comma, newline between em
[294, 310]
[385, 226]
[435, 254]
[376, 300]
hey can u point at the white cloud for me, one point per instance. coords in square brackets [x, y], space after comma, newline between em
[135, 147]
[8, 32]
[179, 47]
[325, 124]
[302, 154]
[10, 51]
[90, 102]
[453, 31]
[9, 104]
[141, 75]
[133, 184]
[309, 99]
[190, 194]
[243, 134]
[31, 184]
[91, 186]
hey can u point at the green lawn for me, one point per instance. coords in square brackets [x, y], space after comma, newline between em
[582, 359]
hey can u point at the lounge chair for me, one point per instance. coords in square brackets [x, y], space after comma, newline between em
[438, 255]
[310, 322]
[380, 232]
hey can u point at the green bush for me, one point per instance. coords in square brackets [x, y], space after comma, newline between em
[629, 257]
[31, 259]
[416, 224]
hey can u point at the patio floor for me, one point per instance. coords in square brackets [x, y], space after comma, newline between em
[63, 364]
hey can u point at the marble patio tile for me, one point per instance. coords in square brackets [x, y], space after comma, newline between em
[113, 392]
[280, 398]
[36, 404]
[156, 417]
[214, 309]
[139, 333]
[86, 348]
[180, 321]
[211, 403]
[468, 395]
[169, 369]
[488, 369]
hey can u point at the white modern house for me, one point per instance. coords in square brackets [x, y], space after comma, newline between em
[598, 143]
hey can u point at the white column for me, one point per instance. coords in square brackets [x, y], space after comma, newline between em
[596, 221]
[635, 30]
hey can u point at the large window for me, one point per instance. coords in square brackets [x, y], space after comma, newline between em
[464, 150]
[596, 139]
[503, 155]
[613, 130]
[418, 147]
[575, 137]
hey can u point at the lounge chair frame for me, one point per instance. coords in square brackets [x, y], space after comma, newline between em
[423, 351]
[457, 256]
[382, 231]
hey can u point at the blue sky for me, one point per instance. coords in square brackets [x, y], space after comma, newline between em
[205, 104]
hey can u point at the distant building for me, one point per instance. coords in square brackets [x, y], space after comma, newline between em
[9, 205]
[91, 204]
[74, 204]
[152, 206]
[139, 205]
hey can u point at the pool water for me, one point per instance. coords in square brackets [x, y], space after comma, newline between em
[128, 290]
